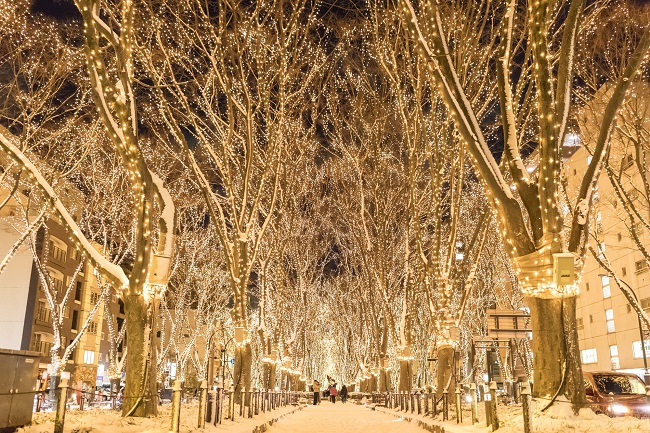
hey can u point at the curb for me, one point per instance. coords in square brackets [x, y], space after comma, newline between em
[265, 426]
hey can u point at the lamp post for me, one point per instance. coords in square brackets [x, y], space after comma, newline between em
[646, 374]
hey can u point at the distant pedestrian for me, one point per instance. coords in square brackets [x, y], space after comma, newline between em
[344, 393]
[316, 388]
[333, 393]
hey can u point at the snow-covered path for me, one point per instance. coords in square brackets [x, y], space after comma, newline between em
[328, 417]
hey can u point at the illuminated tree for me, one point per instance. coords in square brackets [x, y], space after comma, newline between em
[531, 216]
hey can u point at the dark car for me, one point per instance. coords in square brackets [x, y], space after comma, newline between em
[616, 394]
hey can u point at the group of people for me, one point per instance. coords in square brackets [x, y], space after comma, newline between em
[330, 391]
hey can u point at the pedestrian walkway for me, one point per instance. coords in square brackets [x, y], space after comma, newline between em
[350, 417]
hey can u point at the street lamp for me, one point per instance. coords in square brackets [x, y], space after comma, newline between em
[646, 374]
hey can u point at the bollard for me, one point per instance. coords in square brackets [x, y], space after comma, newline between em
[219, 405]
[231, 403]
[203, 403]
[445, 405]
[256, 396]
[419, 400]
[493, 405]
[176, 407]
[412, 401]
[487, 399]
[59, 421]
[473, 393]
[241, 403]
[526, 407]
[459, 412]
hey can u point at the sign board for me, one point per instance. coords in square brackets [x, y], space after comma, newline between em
[563, 269]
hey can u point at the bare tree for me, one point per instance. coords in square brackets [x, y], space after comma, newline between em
[530, 216]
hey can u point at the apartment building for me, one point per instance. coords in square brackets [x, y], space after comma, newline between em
[608, 327]
[25, 313]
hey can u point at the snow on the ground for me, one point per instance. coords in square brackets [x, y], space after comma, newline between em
[109, 421]
[558, 419]
[349, 417]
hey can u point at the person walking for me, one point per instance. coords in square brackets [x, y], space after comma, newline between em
[333, 393]
[316, 388]
[344, 393]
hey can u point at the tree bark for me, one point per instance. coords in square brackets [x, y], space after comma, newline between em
[557, 368]
[140, 387]
[405, 374]
[444, 368]
[242, 372]
[384, 380]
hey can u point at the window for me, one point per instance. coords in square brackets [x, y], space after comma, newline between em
[589, 158]
[645, 303]
[58, 249]
[616, 364]
[75, 319]
[637, 353]
[609, 316]
[641, 266]
[77, 292]
[94, 298]
[587, 286]
[589, 356]
[580, 323]
[613, 350]
[607, 292]
[601, 250]
[43, 313]
[623, 271]
[619, 237]
[92, 328]
[591, 319]
[89, 357]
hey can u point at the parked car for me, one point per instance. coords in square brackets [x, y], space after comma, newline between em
[616, 394]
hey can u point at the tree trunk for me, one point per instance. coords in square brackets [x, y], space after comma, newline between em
[374, 383]
[268, 375]
[384, 380]
[405, 374]
[140, 387]
[556, 365]
[242, 372]
[444, 368]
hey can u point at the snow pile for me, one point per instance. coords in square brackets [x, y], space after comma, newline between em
[109, 421]
[557, 419]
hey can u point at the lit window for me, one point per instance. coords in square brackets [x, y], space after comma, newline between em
[609, 315]
[607, 292]
[589, 158]
[589, 356]
[615, 363]
[637, 353]
[89, 357]
[613, 350]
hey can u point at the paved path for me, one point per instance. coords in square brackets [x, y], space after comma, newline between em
[349, 417]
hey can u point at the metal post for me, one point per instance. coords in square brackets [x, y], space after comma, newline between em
[176, 407]
[473, 393]
[445, 405]
[61, 401]
[526, 407]
[203, 403]
[493, 405]
[459, 412]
